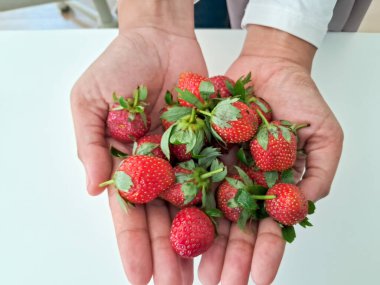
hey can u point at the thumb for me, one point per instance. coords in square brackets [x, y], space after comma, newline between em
[89, 123]
[321, 165]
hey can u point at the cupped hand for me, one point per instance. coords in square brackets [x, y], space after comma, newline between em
[291, 92]
[154, 58]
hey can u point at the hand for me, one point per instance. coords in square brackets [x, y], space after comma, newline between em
[139, 55]
[285, 82]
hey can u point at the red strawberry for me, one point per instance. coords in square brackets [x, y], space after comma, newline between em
[127, 120]
[122, 129]
[175, 195]
[179, 151]
[192, 232]
[234, 121]
[141, 178]
[225, 193]
[190, 81]
[290, 205]
[258, 103]
[150, 145]
[274, 148]
[221, 89]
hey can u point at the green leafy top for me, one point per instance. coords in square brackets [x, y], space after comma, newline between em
[189, 97]
[134, 105]
[224, 113]
[240, 89]
[206, 89]
[207, 156]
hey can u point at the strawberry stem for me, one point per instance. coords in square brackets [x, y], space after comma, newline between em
[135, 99]
[192, 117]
[106, 183]
[252, 99]
[211, 173]
[263, 118]
[301, 126]
[205, 113]
[263, 197]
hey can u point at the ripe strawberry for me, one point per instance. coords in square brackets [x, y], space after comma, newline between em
[174, 193]
[221, 90]
[141, 178]
[258, 103]
[190, 81]
[127, 120]
[150, 145]
[225, 193]
[194, 180]
[290, 205]
[179, 151]
[233, 121]
[275, 146]
[192, 232]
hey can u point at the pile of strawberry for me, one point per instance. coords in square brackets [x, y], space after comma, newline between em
[184, 166]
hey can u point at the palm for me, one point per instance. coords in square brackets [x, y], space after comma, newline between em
[155, 59]
[293, 96]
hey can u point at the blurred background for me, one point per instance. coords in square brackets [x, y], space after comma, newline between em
[47, 14]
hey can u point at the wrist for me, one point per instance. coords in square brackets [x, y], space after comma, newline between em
[172, 16]
[272, 43]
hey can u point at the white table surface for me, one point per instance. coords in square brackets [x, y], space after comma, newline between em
[52, 232]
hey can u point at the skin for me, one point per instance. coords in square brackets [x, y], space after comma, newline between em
[155, 41]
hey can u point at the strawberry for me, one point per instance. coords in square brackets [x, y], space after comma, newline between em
[141, 178]
[290, 205]
[225, 193]
[150, 145]
[179, 151]
[190, 81]
[194, 180]
[127, 120]
[176, 196]
[237, 198]
[275, 147]
[233, 121]
[258, 103]
[192, 232]
[221, 89]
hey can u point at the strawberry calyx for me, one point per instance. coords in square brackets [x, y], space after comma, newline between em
[134, 105]
[274, 128]
[239, 88]
[189, 130]
[200, 179]
[122, 182]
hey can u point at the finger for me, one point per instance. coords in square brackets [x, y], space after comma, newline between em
[323, 154]
[211, 265]
[268, 252]
[187, 265]
[237, 262]
[166, 264]
[133, 240]
[89, 118]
